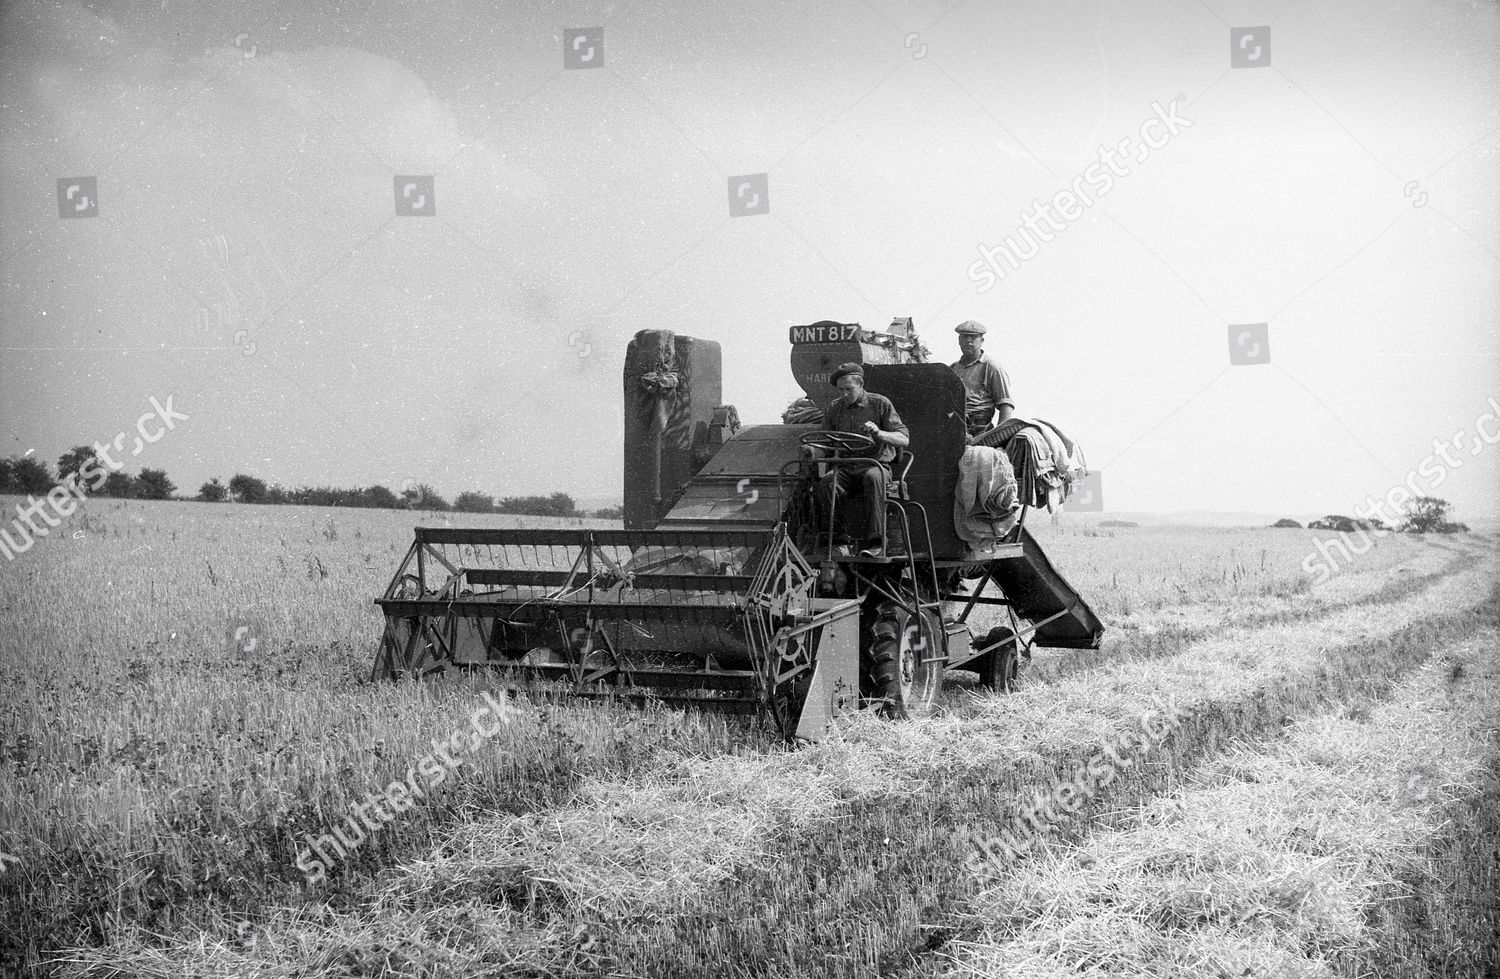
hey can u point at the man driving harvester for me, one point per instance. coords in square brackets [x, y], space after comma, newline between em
[872, 415]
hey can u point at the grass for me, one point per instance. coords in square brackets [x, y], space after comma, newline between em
[162, 784]
[1304, 859]
[158, 776]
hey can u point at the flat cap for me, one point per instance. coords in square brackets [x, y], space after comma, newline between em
[844, 370]
[970, 326]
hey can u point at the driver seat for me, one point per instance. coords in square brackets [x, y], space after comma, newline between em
[897, 490]
[900, 466]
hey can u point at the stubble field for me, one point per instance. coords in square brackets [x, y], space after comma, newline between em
[1324, 802]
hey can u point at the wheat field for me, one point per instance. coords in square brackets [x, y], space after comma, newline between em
[161, 780]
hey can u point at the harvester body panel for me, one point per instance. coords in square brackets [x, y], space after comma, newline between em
[1060, 617]
[743, 482]
[930, 400]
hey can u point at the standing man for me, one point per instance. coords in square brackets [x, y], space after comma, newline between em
[987, 387]
[872, 415]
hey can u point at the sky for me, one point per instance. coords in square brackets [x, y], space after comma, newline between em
[243, 254]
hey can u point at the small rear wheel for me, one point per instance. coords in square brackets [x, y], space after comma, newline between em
[998, 668]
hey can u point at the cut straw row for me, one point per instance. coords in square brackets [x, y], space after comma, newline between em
[1274, 864]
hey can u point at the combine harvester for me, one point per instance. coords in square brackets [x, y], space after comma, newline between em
[723, 590]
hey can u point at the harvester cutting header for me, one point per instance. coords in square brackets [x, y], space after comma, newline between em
[801, 569]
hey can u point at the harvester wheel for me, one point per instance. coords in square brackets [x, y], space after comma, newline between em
[998, 668]
[905, 684]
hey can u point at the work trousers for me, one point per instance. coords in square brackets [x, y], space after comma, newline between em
[868, 481]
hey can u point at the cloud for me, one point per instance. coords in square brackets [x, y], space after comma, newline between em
[253, 196]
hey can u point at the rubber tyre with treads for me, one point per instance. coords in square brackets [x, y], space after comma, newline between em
[906, 686]
[998, 668]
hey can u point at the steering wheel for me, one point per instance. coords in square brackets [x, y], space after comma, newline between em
[831, 441]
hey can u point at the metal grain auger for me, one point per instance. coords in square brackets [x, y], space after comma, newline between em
[723, 590]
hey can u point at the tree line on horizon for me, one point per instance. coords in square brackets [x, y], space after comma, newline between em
[1421, 515]
[30, 476]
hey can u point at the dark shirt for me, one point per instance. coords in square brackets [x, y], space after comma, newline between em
[844, 417]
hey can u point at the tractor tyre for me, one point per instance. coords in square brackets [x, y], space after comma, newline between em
[901, 682]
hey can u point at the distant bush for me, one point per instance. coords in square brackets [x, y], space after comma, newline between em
[153, 484]
[423, 497]
[247, 489]
[212, 491]
[24, 475]
[1339, 523]
[370, 497]
[120, 485]
[556, 505]
[1287, 522]
[381, 498]
[611, 513]
[473, 502]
